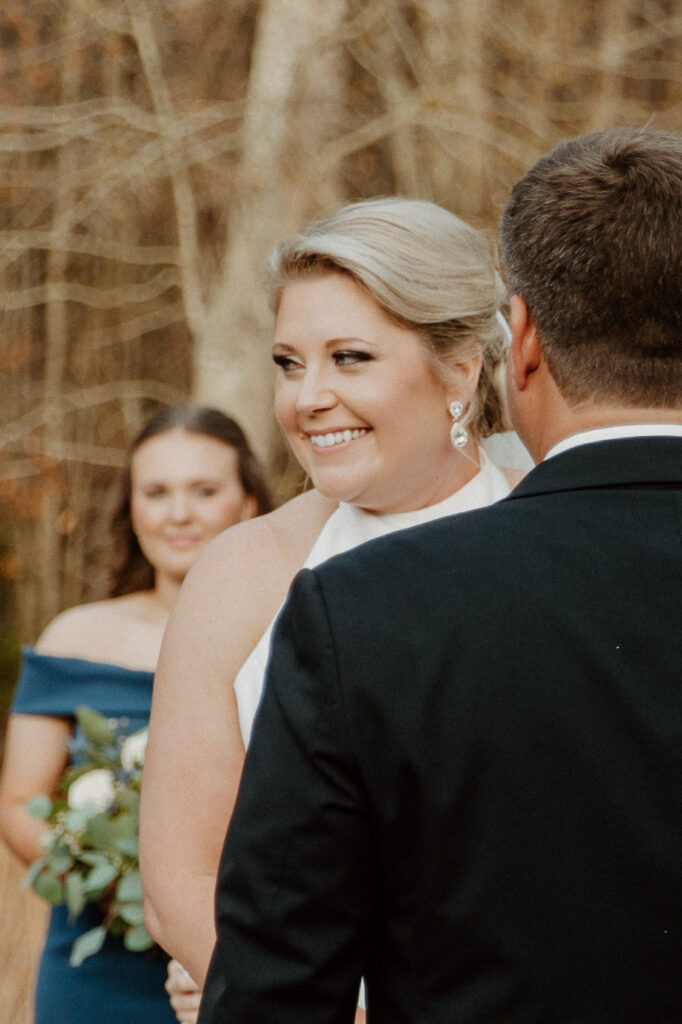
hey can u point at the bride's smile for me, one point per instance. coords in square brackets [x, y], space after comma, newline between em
[334, 438]
[349, 378]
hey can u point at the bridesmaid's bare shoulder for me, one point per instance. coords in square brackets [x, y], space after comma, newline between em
[119, 630]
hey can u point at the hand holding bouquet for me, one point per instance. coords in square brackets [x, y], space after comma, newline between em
[91, 846]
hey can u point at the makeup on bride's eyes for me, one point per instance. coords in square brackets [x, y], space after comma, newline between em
[349, 358]
[285, 363]
[344, 357]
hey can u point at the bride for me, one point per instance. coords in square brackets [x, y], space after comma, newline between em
[389, 348]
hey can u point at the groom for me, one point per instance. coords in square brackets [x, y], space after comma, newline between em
[465, 783]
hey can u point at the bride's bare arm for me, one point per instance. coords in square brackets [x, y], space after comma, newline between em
[195, 751]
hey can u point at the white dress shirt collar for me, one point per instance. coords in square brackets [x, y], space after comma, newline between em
[616, 433]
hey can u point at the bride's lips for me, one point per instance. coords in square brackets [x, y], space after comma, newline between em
[334, 438]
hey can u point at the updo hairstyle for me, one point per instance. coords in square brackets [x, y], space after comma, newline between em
[429, 271]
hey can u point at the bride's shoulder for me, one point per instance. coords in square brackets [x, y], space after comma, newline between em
[299, 520]
[240, 579]
[270, 546]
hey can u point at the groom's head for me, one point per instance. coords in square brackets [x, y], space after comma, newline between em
[592, 241]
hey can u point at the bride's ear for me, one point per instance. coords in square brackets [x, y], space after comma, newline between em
[466, 374]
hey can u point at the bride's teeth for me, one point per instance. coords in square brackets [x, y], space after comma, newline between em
[339, 436]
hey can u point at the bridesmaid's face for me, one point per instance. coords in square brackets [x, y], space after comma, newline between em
[363, 410]
[185, 490]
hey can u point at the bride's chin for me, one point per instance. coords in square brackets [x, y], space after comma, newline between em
[336, 490]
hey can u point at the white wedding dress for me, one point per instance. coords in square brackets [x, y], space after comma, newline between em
[347, 527]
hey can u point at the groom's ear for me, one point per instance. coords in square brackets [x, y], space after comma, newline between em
[525, 353]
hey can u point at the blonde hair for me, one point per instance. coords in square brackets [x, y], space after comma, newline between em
[429, 271]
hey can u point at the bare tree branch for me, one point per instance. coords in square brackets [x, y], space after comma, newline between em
[83, 398]
[186, 214]
[87, 245]
[94, 297]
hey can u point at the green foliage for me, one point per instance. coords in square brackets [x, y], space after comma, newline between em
[97, 731]
[138, 939]
[40, 806]
[87, 945]
[92, 847]
[48, 885]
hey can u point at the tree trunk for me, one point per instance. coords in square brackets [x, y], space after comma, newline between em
[275, 191]
[614, 16]
[56, 355]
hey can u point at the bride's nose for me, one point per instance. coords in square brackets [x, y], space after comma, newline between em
[315, 393]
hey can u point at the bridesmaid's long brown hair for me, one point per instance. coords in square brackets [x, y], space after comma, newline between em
[130, 570]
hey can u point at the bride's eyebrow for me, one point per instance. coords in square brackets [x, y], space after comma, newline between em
[285, 347]
[351, 340]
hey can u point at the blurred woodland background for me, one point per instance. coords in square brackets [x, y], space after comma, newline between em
[151, 152]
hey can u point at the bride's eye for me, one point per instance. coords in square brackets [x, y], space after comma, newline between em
[286, 363]
[350, 357]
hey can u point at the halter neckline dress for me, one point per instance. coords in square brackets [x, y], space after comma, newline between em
[346, 528]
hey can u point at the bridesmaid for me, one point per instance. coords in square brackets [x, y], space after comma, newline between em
[190, 475]
[389, 348]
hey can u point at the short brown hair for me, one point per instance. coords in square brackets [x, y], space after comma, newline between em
[592, 241]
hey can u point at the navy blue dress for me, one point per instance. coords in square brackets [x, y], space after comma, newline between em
[115, 985]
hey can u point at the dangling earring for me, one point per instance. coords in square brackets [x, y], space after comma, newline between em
[458, 433]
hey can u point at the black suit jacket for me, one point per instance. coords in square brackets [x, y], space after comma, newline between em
[465, 781]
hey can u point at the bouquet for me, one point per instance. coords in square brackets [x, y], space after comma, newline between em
[91, 846]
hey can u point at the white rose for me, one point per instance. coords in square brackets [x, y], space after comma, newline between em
[93, 789]
[133, 750]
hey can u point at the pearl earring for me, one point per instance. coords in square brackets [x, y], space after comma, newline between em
[458, 433]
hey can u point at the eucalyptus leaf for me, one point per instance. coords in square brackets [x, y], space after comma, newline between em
[32, 873]
[130, 887]
[93, 858]
[138, 939]
[98, 831]
[87, 945]
[74, 889]
[39, 806]
[128, 846]
[77, 818]
[132, 913]
[99, 878]
[130, 800]
[60, 858]
[49, 887]
[123, 826]
[95, 726]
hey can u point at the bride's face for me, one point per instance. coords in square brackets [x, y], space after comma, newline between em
[363, 410]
